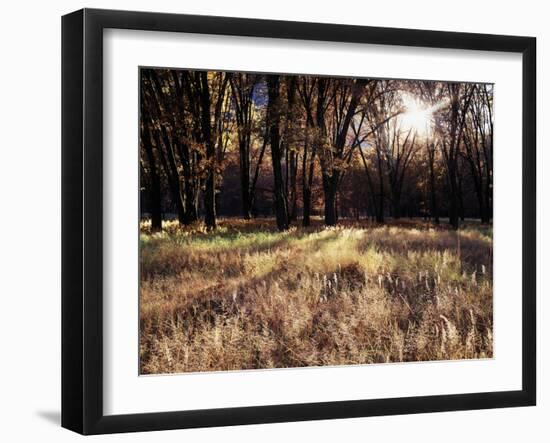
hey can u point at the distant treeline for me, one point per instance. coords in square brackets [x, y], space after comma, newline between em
[292, 146]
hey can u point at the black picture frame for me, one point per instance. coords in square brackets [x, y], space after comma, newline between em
[82, 218]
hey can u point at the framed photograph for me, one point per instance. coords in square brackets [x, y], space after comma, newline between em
[269, 221]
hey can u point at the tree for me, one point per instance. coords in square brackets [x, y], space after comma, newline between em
[398, 146]
[379, 111]
[313, 93]
[451, 127]
[151, 171]
[274, 122]
[242, 89]
[290, 148]
[211, 103]
[157, 109]
[345, 98]
[431, 149]
[434, 94]
[478, 144]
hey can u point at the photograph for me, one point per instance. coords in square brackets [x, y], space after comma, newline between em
[292, 220]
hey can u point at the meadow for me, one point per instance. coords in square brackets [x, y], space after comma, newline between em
[247, 296]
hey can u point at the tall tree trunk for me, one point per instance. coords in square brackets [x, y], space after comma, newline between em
[453, 199]
[308, 164]
[483, 210]
[170, 168]
[329, 190]
[381, 192]
[210, 181]
[252, 194]
[185, 156]
[333, 157]
[486, 216]
[242, 89]
[281, 212]
[292, 161]
[306, 216]
[244, 165]
[307, 190]
[396, 203]
[451, 153]
[370, 185]
[293, 197]
[460, 198]
[154, 190]
[169, 163]
[433, 197]
[380, 208]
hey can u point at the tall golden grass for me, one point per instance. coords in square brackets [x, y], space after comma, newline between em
[247, 297]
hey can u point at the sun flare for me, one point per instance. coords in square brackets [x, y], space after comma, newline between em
[416, 116]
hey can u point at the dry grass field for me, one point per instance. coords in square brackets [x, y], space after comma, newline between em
[248, 297]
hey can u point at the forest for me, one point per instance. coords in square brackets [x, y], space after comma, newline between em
[238, 144]
[304, 220]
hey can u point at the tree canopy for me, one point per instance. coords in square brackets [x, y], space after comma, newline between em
[296, 146]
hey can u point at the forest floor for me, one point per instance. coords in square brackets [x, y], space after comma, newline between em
[248, 297]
